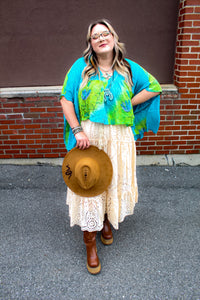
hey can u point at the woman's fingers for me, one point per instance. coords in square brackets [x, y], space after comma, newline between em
[82, 141]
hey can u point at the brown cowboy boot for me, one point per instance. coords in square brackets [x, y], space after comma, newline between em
[93, 264]
[106, 233]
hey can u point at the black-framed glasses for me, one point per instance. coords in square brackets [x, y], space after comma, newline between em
[96, 36]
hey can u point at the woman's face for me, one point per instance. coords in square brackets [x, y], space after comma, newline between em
[102, 40]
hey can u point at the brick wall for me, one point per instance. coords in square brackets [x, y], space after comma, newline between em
[179, 132]
[31, 125]
[168, 138]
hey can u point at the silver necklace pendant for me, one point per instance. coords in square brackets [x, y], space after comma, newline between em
[108, 95]
[107, 75]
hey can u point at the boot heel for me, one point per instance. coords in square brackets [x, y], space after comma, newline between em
[106, 241]
[94, 271]
[106, 233]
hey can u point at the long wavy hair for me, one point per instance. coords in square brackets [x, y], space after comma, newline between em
[119, 63]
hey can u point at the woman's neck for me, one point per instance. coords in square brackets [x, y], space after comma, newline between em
[105, 62]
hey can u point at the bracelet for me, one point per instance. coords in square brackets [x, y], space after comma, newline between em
[77, 129]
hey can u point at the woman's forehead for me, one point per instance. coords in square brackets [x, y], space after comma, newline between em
[98, 28]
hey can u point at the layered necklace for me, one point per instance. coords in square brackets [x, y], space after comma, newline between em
[108, 74]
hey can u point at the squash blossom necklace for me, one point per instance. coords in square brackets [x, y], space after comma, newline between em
[107, 93]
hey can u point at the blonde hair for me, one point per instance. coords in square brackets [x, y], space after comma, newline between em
[119, 63]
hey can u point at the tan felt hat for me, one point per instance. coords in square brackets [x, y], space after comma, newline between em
[88, 172]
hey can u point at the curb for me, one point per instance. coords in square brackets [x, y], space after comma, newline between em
[141, 160]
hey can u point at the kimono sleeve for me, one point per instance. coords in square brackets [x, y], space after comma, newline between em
[70, 92]
[143, 79]
[147, 114]
[72, 81]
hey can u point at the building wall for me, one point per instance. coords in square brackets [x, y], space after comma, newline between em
[31, 123]
[31, 127]
[39, 40]
[179, 132]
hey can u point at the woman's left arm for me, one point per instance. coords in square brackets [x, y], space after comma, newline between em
[143, 96]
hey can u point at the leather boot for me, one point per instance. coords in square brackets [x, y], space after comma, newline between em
[93, 264]
[106, 233]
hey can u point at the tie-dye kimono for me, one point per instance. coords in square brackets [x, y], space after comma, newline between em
[108, 101]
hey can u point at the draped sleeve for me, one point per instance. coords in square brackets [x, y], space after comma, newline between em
[147, 114]
[70, 92]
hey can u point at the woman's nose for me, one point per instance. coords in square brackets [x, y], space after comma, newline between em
[101, 37]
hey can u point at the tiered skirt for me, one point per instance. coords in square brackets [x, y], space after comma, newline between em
[119, 199]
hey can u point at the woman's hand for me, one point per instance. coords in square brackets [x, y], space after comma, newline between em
[69, 112]
[82, 140]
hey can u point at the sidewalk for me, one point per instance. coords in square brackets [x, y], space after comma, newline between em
[155, 254]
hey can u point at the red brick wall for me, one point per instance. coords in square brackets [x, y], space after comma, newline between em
[168, 139]
[179, 132]
[33, 127]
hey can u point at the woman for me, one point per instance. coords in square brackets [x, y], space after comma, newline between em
[107, 100]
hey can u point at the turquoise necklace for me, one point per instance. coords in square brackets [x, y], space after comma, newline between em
[108, 96]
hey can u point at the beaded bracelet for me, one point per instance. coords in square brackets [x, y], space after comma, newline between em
[77, 129]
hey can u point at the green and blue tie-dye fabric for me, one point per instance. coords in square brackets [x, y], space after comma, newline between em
[108, 107]
[108, 101]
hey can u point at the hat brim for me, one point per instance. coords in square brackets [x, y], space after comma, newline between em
[105, 165]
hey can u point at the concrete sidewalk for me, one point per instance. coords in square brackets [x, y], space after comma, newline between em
[155, 254]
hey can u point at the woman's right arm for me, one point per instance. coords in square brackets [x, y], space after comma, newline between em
[70, 115]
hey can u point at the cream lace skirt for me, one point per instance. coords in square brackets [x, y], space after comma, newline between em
[120, 198]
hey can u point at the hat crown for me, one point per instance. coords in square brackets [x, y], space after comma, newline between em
[87, 172]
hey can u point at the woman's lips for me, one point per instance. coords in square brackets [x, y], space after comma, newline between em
[102, 45]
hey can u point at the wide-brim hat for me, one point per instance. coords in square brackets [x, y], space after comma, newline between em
[88, 172]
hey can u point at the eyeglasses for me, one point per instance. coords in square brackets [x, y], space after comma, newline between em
[104, 34]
